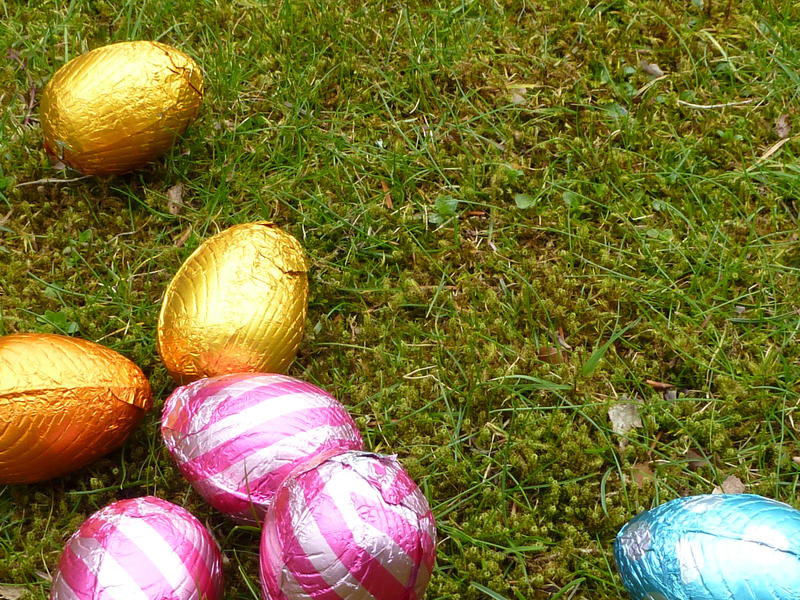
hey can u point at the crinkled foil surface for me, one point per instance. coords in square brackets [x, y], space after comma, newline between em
[63, 403]
[236, 437]
[354, 526]
[144, 548]
[237, 304]
[712, 547]
[118, 107]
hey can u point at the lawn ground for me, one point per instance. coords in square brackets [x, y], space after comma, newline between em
[518, 215]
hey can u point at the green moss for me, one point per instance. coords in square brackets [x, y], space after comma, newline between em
[458, 332]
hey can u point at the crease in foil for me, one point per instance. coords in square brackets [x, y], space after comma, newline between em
[65, 402]
[326, 534]
[237, 437]
[714, 547]
[232, 307]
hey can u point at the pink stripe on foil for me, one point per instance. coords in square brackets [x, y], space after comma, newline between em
[252, 497]
[207, 401]
[60, 589]
[372, 574]
[76, 574]
[297, 562]
[259, 437]
[271, 559]
[271, 386]
[178, 531]
[393, 525]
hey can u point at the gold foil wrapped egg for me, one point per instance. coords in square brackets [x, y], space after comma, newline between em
[119, 107]
[64, 402]
[237, 304]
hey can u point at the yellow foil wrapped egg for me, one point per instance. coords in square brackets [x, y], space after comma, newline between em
[119, 107]
[237, 304]
[64, 402]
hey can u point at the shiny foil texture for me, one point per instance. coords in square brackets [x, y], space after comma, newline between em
[354, 526]
[236, 437]
[143, 549]
[64, 402]
[237, 304]
[712, 547]
[118, 107]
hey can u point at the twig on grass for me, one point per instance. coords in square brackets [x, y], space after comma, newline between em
[51, 180]
[709, 106]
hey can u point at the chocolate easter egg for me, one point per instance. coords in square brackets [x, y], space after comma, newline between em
[63, 403]
[237, 304]
[712, 547]
[118, 107]
[353, 526]
[144, 548]
[236, 437]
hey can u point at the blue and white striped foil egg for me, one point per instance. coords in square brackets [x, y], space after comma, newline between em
[712, 547]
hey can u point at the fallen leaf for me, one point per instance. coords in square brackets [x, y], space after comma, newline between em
[782, 127]
[175, 199]
[695, 460]
[561, 340]
[517, 98]
[659, 386]
[651, 69]
[731, 485]
[549, 354]
[624, 417]
[640, 472]
[12, 592]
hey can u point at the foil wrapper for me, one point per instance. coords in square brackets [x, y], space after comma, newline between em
[353, 526]
[118, 107]
[143, 548]
[712, 547]
[64, 402]
[237, 304]
[236, 437]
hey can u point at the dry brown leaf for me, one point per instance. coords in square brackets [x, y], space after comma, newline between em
[12, 592]
[696, 460]
[731, 485]
[782, 127]
[549, 354]
[561, 340]
[624, 417]
[659, 386]
[640, 472]
[651, 69]
[175, 199]
[517, 98]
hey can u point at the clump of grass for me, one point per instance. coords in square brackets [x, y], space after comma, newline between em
[512, 226]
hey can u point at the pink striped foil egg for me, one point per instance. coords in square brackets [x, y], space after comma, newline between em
[355, 526]
[236, 437]
[140, 549]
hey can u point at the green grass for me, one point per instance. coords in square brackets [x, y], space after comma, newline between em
[540, 185]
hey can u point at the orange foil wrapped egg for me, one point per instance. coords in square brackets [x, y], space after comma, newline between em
[118, 107]
[64, 402]
[237, 304]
